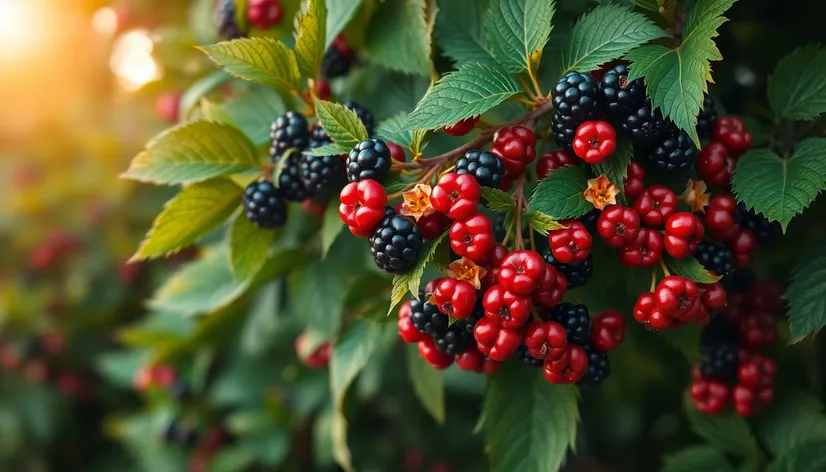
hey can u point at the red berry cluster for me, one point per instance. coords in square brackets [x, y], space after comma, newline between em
[41, 361]
[264, 14]
[729, 139]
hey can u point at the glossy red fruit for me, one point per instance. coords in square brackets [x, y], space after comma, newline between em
[742, 245]
[456, 196]
[362, 206]
[551, 288]
[683, 233]
[709, 396]
[496, 341]
[511, 310]
[471, 359]
[721, 217]
[567, 369]
[493, 264]
[454, 298]
[264, 14]
[732, 133]
[472, 238]
[322, 89]
[407, 330]
[748, 402]
[676, 296]
[595, 141]
[571, 244]
[756, 372]
[714, 164]
[167, 107]
[521, 271]
[757, 329]
[655, 205]
[516, 146]
[433, 225]
[609, 330]
[462, 128]
[713, 296]
[433, 356]
[546, 340]
[645, 251]
[396, 152]
[633, 184]
[618, 225]
[553, 160]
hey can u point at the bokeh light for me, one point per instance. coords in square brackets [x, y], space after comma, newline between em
[18, 34]
[105, 21]
[132, 61]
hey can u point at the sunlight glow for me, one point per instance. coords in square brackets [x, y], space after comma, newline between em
[19, 33]
[132, 60]
[105, 21]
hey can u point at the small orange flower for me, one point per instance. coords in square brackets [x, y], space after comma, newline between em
[466, 269]
[417, 202]
[695, 195]
[601, 192]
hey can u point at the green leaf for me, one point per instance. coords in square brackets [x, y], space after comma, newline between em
[560, 195]
[332, 149]
[606, 33]
[793, 418]
[517, 30]
[469, 91]
[460, 33]
[542, 223]
[248, 247]
[263, 320]
[119, 367]
[530, 423]
[200, 89]
[807, 296]
[428, 383]
[691, 269]
[657, 6]
[805, 457]
[797, 88]
[195, 211]
[398, 37]
[351, 353]
[261, 60]
[309, 43]
[410, 281]
[726, 431]
[157, 329]
[677, 79]
[215, 113]
[781, 188]
[339, 13]
[498, 200]
[615, 168]
[254, 111]
[391, 130]
[696, 458]
[341, 123]
[193, 152]
[330, 229]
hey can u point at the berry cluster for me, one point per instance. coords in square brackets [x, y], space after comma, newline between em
[729, 139]
[262, 14]
[43, 360]
[338, 59]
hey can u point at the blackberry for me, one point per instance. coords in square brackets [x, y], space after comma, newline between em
[589, 220]
[364, 115]
[718, 331]
[739, 280]
[706, 118]
[499, 230]
[264, 206]
[319, 172]
[426, 317]
[318, 136]
[716, 257]
[527, 358]
[484, 166]
[576, 319]
[718, 361]
[576, 95]
[289, 131]
[764, 230]
[395, 243]
[598, 367]
[577, 274]
[225, 21]
[370, 159]
[673, 151]
[290, 182]
[620, 96]
[336, 63]
[563, 129]
[459, 335]
[643, 123]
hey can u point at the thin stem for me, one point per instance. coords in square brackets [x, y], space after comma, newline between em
[519, 196]
[533, 238]
[653, 279]
[664, 268]
[537, 89]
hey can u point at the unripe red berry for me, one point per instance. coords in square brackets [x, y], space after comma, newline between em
[456, 195]
[461, 128]
[509, 309]
[516, 146]
[571, 244]
[396, 151]
[645, 251]
[546, 340]
[655, 205]
[609, 330]
[683, 233]
[595, 141]
[472, 238]
[433, 356]
[618, 225]
[732, 133]
[455, 298]
[521, 271]
[553, 160]
[362, 206]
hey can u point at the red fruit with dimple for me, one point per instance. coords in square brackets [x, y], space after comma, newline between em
[714, 164]
[552, 160]
[471, 359]
[732, 133]
[461, 128]
[569, 368]
[756, 372]
[713, 296]
[396, 152]
[516, 146]
[493, 264]
[511, 310]
[609, 330]
[748, 402]
[472, 238]
[655, 205]
[676, 296]
[521, 271]
[454, 297]
[496, 341]
[551, 288]
[644, 251]
[646, 303]
[457, 196]
[571, 244]
[683, 233]
[721, 217]
[433, 225]
[757, 329]
[595, 141]
[633, 184]
[742, 245]
[264, 14]
[546, 340]
[362, 206]
[433, 356]
[618, 225]
[709, 396]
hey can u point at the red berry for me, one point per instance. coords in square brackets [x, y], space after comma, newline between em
[714, 164]
[264, 14]
[644, 251]
[742, 245]
[461, 128]
[546, 340]
[433, 225]
[633, 184]
[407, 330]
[765, 295]
[618, 225]
[516, 146]
[322, 90]
[756, 372]
[362, 206]
[732, 133]
[167, 107]
[571, 244]
[569, 368]
[757, 329]
[709, 396]
[457, 196]
[713, 296]
[496, 341]
[553, 160]
[493, 263]
[471, 359]
[655, 205]
[721, 217]
[676, 296]
[521, 271]
[683, 233]
[454, 297]
[396, 151]
[472, 238]
[433, 356]
[511, 310]
[609, 330]
[595, 141]
[551, 288]
[313, 208]
[748, 402]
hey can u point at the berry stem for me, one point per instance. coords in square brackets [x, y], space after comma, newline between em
[664, 268]
[653, 280]
[519, 196]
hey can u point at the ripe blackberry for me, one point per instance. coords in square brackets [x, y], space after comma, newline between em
[395, 243]
[289, 131]
[716, 257]
[563, 129]
[577, 274]
[576, 319]
[484, 166]
[290, 182]
[620, 96]
[764, 230]
[589, 220]
[739, 280]
[673, 151]
[499, 230]
[426, 317]
[364, 115]
[370, 159]
[318, 136]
[576, 95]
[319, 172]
[336, 63]
[459, 335]
[718, 331]
[225, 21]
[264, 206]
[707, 118]
[643, 123]
[598, 366]
[527, 358]
[718, 361]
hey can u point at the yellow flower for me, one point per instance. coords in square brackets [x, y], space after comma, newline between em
[601, 192]
[466, 269]
[417, 202]
[695, 195]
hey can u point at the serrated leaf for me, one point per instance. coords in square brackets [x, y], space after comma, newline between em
[428, 383]
[469, 91]
[253, 111]
[398, 37]
[216, 114]
[391, 130]
[615, 168]
[805, 457]
[341, 123]
[517, 30]
[797, 88]
[421, 138]
[410, 281]
[606, 33]
[330, 229]
[351, 354]
[195, 211]
[726, 431]
[807, 296]
[460, 33]
[793, 418]
[560, 195]
[696, 458]
[311, 37]
[691, 269]
[332, 149]
[530, 423]
[339, 14]
[193, 152]
[542, 223]
[249, 247]
[781, 188]
[498, 200]
[261, 60]
[677, 79]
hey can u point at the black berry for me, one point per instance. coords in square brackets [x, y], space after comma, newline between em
[289, 180]
[484, 166]
[395, 243]
[577, 274]
[673, 151]
[620, 96]
[319, 137]
[589, 220]
[706, 118]
[289, 131]
[576, 319]
[598, 367]
[426, 317]
[336, 63]
[643, 123]
[264, 205]
[319, 172]
[718, 361]
[460, 334]
[370, 159]
[563, 129]
[364, 115]
[576, 95]
[225, 21]
[718, 331]
[764, 230]
[716, 257]
[527, 358]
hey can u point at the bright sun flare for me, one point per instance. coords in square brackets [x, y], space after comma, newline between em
[19, 31]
